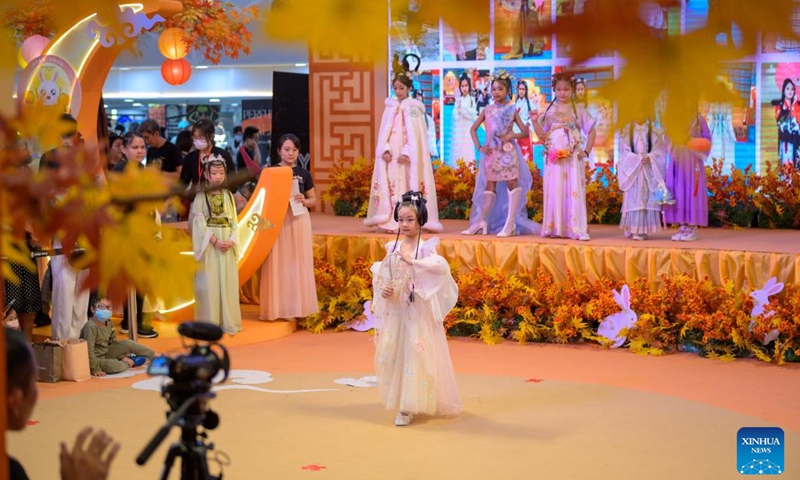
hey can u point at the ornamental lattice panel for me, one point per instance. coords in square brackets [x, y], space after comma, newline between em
[343, 123]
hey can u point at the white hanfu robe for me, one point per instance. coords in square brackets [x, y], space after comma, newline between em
[216, 283]
[412, 360]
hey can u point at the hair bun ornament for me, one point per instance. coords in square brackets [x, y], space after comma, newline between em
[211, 159]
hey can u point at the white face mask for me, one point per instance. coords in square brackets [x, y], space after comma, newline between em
[200, 144]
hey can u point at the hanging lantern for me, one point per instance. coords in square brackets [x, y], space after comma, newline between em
[31, 48]
[176, 72]
[172, 43]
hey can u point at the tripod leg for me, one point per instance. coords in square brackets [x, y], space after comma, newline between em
[174, 451]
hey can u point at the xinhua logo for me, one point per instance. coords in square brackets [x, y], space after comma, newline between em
[759, 451]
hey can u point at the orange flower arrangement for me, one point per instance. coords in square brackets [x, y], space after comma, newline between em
[350, 187]
[682, 314]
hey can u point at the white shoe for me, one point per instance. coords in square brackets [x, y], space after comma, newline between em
[514, 199]
[639, 237]
[489, 198]
[679, 236]
[403, 418]
[690, 235]
[479, 227]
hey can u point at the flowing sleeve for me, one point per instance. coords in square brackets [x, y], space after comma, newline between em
[587, 122]
[201, 234]
[237, 249]
[433, 281]
[416, 141]
[658, 160]
[385, 130]
[630, 162]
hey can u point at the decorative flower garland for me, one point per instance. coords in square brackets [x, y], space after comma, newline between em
[560, 144]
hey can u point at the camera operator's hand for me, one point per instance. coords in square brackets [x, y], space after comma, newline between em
[88, 463]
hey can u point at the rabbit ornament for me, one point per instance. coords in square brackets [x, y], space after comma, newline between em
[612, 325]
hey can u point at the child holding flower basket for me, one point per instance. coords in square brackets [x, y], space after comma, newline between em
[563, 126]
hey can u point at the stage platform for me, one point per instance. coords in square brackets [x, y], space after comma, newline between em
[747, 256]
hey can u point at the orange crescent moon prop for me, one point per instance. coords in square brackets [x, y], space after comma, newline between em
[260, 221]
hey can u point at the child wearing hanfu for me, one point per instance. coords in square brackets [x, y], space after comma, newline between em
[413, 291]
[568, 133]
[215, 240]
[640, 172]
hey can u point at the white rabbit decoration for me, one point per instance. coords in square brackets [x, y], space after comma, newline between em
[760, 300]
[49, 90]
[611, 326]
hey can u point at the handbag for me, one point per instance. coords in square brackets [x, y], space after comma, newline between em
[75, 354]
[48, 361]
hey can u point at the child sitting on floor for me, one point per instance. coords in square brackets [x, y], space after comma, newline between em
[107, 355]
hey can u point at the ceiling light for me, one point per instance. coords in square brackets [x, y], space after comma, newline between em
[137, 104]
[201, 67]
[128, 100]
[124, 68]
[234, 104]
[300, 64]
[213, 100]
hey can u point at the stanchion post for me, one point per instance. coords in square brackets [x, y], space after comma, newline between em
[133, 325]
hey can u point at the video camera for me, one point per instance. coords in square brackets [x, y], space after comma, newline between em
[188, 392]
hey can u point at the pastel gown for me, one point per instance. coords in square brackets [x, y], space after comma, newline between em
[412, 359]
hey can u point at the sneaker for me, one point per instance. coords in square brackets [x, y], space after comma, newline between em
[403, 418]
[678, 237]
[639, 237]
[690, 235]
[123, 328]
[138, 360]
[147, 333]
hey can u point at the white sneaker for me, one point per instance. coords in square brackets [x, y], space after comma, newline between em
[639, 237]
[678, 237]
[690, 235]
[403, 418]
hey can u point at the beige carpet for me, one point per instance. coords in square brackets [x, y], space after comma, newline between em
[512, 427]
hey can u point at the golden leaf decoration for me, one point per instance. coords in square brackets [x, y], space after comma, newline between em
[349, 28]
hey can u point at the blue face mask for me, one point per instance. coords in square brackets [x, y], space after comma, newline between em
[102, 315]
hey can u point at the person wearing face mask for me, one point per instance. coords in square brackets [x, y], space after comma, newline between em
[107, 355]
[203, 139]
[237, 136]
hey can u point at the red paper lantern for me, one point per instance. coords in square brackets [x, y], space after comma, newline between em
[176, 72]
[172, 43]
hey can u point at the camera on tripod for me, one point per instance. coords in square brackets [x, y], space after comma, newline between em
[188, 392]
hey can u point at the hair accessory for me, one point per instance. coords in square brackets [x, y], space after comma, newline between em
[211, 159]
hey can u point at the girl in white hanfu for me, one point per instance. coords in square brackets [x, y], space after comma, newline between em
[465, 112]
[402, 161]
[641, 172]
[413, 291]
[568, 133]
[215, 240]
